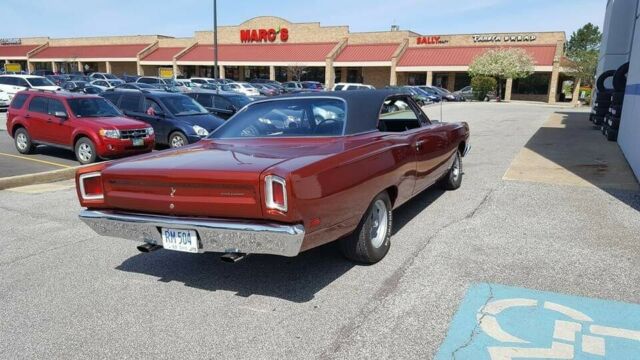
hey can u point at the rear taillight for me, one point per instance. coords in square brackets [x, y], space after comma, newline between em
[91, 186]
[276, 192]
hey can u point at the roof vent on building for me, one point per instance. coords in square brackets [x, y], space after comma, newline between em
[395, 28]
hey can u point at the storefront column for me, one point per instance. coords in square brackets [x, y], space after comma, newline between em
[329, 74]
[451, 81]
[221, 71]
[575, 98]
[553, 84]
[343, 74]
[54, 67]
[176, 70]
[108, 66]
[31, 67]
[272, 72]
[429, 78]
[80, 69]
[241, 73]
[507, 90]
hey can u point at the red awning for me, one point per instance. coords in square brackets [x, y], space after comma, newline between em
[15, 50]
[368, 52]
[464, 55]
[90, 52]
[261, 52]
[163, 54]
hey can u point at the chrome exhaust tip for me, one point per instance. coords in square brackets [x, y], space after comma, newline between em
[233, 257]
[147, 248]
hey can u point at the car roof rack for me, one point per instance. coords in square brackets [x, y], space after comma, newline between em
[42, 90]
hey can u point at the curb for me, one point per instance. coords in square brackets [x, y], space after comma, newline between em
[38, 178]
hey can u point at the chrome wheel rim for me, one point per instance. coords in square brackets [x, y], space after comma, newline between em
[177, 141]
[455, 171]
[379, 223]
[84, 152]
[21, 141]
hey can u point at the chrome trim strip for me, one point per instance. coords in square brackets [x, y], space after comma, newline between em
[467, 148]
[215, 235]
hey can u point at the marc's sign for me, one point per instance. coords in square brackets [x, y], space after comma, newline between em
[264, 35]
[504, 38]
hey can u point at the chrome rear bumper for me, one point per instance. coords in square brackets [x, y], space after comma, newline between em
[214, 235]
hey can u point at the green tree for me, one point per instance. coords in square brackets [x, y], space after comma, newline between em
[502, 64]
[482, 85]
[582, 53]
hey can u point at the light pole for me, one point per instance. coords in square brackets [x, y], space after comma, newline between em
[215, 40]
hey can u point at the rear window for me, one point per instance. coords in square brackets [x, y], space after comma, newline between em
[40, 82]
[38, 104]
[338, 87]
[286, 118]
[18, 101]
[130, 103]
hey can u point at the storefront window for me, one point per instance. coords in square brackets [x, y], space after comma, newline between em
[536, 84]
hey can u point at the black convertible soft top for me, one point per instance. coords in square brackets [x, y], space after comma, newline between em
[363, 106]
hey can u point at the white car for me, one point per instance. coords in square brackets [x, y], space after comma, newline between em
[106, 84]
[351, 86]
[103, 76]
[243, 88]
[4, 99]
[11, 84]
[199, 81]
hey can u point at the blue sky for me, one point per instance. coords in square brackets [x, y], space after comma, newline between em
[75, 18]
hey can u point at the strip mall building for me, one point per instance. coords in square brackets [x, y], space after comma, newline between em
[272, 47]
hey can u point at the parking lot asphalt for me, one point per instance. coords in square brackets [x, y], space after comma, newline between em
[45, 158]
[68, 293]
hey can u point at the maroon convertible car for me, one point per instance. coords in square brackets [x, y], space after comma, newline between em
[282, 176]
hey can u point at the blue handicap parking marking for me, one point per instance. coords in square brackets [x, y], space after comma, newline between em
[499, 322]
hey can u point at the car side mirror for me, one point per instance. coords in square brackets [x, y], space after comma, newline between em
[61, 114]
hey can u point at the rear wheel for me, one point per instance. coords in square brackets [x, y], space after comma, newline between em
[23, 142]
[85, 151]
[453, 179]
[177, 139]
[371, 240]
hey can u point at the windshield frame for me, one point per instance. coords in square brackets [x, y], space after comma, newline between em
[164, 102]
[44, 79]
[289, 98]
[94, 98]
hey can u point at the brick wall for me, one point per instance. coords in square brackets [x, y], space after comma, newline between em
[376, 76]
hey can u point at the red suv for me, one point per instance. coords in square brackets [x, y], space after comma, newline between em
[87, 124]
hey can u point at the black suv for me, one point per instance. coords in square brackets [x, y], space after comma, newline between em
[177, 119]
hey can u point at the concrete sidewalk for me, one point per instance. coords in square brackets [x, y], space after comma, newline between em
[567, 150]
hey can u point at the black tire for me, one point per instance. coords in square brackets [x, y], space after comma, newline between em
[600, 111]
[617, 98]
[604, 104]
[602, 78]
[453, 178]
[603, 96]
[22, 141]
[610, 134]
[597, 120]
[360, 246]
[620, 77]
[85, 151]
[612, 122]
[177, 139]
[616, 110]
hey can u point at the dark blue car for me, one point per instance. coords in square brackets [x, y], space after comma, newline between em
[177, 119]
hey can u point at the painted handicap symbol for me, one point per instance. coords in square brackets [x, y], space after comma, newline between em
[564, 333]
[496, 322]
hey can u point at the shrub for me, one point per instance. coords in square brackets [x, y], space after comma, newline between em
[482, 85]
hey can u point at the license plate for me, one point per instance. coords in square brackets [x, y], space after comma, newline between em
[180, 240]
[138, 142]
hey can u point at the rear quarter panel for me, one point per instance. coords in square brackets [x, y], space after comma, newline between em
[337, 189]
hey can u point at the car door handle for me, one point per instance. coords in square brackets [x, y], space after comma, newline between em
[419, 144]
